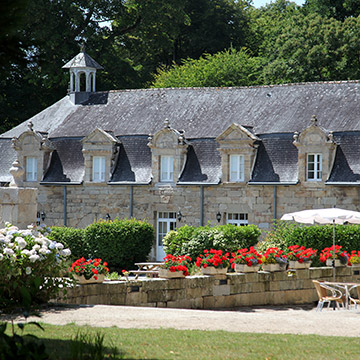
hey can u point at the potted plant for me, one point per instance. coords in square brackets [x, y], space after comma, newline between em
[174, 266]
[300, 257]
[354, 259]
[213, 262]
[246, 260]
[274, 259]
[89, 271]
[327, 256]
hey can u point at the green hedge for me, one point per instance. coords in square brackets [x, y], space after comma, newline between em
[192, 241]
[318, 237]
[120, 243]
[71, 238]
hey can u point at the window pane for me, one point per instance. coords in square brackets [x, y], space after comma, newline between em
[31, 169]
[99, 168]
[166, 168]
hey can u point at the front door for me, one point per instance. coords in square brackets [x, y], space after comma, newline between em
[166, 222]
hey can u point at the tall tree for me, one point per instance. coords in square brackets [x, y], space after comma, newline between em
[226, 68]
[337, 9]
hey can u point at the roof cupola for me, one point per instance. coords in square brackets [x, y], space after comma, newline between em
[82, 75]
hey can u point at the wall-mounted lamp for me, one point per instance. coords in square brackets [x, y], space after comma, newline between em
[179, 215]
[43, 216]
[218, 216]
[107, 217]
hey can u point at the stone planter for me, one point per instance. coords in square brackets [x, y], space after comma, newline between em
[82, 281]
[167, 274]
[293, 264]
[337, 263]
[243, 268]
[211, 270]
[273, 267]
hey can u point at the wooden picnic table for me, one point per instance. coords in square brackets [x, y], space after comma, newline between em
[147, 268]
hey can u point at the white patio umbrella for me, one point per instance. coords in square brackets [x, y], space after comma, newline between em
[325, 216]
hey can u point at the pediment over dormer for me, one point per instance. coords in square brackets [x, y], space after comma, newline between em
[30, 141]
[99, 136]
[313, 135]
[236, 132]
[167, 138]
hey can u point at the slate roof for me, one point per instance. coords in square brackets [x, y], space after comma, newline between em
[82, 60]
[203, 163]
[276, 160]
[206, 112]
[66, 163]
[274, 112]
[7, 157]
[346, 168]
[133, 164]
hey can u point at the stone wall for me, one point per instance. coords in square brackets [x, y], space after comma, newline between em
[18, 206]
[86, 203]
[210, 292]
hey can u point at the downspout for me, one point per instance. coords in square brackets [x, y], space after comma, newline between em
[275, 202]
[65, 205]
[131, 200]
[201, 205]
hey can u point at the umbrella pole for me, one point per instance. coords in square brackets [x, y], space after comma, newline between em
[333, 263]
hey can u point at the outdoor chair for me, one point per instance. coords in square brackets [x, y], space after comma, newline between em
[353, 300]
[322, 291]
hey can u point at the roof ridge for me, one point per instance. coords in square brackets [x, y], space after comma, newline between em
[237, 87]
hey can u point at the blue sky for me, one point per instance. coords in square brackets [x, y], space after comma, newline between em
[258, 3]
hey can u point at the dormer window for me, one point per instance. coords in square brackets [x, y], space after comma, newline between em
[98, 174]
[167, 169]
[236, 168]
[314, 167]
[31, 169]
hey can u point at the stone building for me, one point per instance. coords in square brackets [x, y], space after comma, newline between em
[186, 155]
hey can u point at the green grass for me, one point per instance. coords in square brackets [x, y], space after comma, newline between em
[196, 344]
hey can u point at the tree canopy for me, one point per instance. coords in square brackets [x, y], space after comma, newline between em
[170, 43]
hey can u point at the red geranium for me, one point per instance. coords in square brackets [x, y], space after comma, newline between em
[214, 258]
[300, 253]
[328, 253]
[250, 257]
[89, 268]
[177, 263]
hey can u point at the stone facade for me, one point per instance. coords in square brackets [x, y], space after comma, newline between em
[210, 292]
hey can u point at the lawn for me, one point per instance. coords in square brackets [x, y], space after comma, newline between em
[196, 344]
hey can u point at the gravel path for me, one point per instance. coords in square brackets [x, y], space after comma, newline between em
[276, 320]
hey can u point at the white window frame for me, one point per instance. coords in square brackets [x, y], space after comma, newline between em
[166, 221]
[238, 219]
[98, 175]
[166, 168]
[236, 168]
[31, 168]
[314, 167]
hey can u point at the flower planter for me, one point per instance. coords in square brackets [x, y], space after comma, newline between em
[329, 262]
[167, 274]
[82, 281]
[273, 267]
[211, 270]
[243, 268]
[293, 264]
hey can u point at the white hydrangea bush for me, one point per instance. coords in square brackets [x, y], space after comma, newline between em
[31, 266]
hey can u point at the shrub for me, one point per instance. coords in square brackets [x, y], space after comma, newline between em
[31, 266]
[318, 237]
[120, 242]
[71, 238]
[192, 241]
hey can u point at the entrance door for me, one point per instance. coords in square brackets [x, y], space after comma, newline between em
[166, 222]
